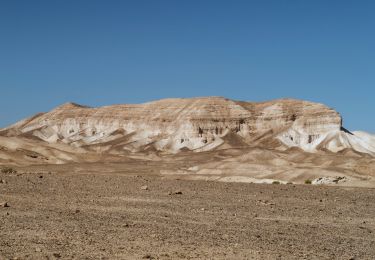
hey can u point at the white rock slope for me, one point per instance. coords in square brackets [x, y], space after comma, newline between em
[197, 124]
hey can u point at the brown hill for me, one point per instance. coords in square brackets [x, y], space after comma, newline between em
[221, 139]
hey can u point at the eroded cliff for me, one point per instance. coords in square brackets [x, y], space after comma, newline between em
[197, 124]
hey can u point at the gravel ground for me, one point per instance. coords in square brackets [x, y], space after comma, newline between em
[133, 214]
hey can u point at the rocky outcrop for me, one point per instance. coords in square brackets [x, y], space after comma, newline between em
[197, 124]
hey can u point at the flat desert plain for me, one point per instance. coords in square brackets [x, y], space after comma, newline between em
[128, 210]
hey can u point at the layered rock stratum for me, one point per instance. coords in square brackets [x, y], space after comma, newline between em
[196, 124]
[271, 134]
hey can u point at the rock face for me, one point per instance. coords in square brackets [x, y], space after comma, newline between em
[197, 124]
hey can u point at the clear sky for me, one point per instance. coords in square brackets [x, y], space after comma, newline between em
[108, 52]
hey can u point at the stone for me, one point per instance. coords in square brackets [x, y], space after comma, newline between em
[57, 255]
[144, 187]
[329, 180]
[4, 204]
[175, 193]
[199, 124]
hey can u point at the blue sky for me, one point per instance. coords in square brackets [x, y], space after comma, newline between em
[109, 52]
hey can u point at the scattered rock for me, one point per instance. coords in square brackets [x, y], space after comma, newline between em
[8, 170]
[145, 187]
[329, 180]
[194, 168]
[4, 204]
[175, 193]
[57, 255]
[3, 181]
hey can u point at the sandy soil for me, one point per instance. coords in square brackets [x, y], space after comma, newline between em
[83, 211]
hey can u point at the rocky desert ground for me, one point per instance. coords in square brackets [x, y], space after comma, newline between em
[129, 211]
[200, 178]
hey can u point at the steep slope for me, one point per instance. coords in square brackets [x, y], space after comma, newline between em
[196, 124]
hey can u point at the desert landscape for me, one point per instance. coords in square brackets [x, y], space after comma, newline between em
[197, 178]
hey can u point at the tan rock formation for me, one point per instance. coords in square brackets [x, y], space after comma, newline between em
[197, 124]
